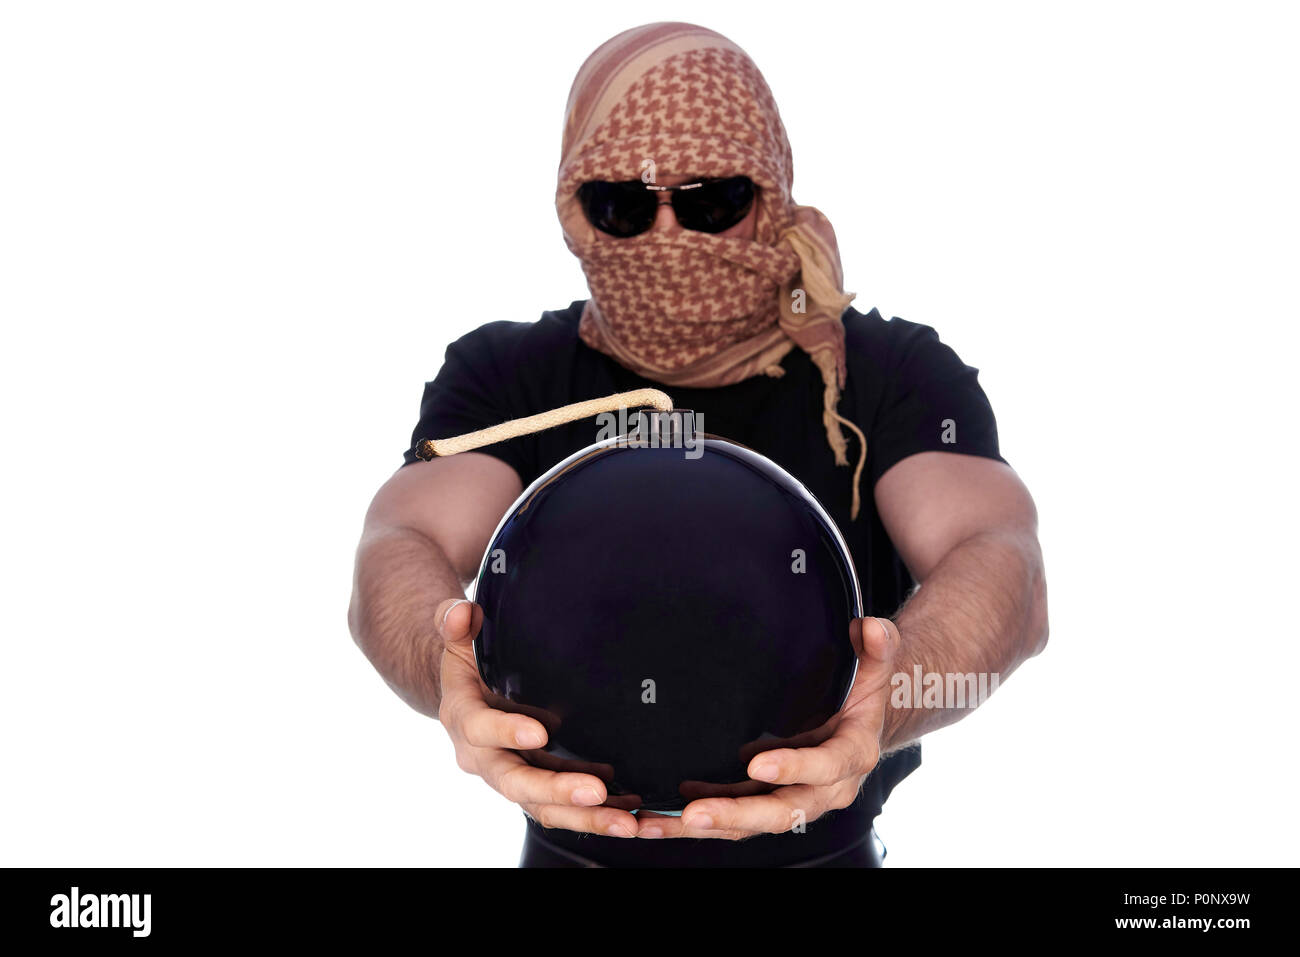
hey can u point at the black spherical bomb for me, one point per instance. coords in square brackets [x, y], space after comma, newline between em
[668, 604]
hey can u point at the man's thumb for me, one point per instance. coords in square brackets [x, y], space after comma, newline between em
[455, 618]
[880, 638]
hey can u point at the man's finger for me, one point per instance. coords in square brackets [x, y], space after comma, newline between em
[880, 639]
[607, 821]
[804, 739]
[465, 710]
[485, 727]
[457, 620]
[850, 751]
[520, 782]
[737, 818]
[462, 693]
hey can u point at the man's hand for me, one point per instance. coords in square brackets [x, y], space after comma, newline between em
[425, 532]
[486, 741]
[813, 780]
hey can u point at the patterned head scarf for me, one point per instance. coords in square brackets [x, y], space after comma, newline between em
[685, 307]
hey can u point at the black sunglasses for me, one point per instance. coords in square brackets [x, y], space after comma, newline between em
[629, 208]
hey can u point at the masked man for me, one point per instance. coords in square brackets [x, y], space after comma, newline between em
[706, 278]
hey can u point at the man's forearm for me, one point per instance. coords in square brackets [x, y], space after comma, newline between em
[401, 578]
[982, 611]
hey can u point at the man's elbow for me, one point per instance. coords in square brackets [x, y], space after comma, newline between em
[354, 619]
[1038, 624]
[363, 575]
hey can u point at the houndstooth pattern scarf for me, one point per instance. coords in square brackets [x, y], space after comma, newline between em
[690, 308]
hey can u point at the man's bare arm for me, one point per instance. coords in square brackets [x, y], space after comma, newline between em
[967, 528]
[424, 535]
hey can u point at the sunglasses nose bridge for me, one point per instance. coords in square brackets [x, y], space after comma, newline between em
[665, 215]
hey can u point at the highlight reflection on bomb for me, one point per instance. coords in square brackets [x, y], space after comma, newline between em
[719, 579]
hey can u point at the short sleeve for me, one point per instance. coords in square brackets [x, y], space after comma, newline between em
[932, 402]
[470, 392]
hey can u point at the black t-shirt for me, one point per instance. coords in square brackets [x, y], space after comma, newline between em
[907, 392]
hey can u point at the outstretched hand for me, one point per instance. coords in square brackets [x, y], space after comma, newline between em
[488, 740]
[812, 780]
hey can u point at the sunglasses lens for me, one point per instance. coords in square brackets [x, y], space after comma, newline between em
[619, 209]
[716, 206]
[628, 209]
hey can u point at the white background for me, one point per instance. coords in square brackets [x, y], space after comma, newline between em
[235, 239]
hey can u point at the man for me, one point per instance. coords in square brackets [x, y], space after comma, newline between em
[707, 280]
